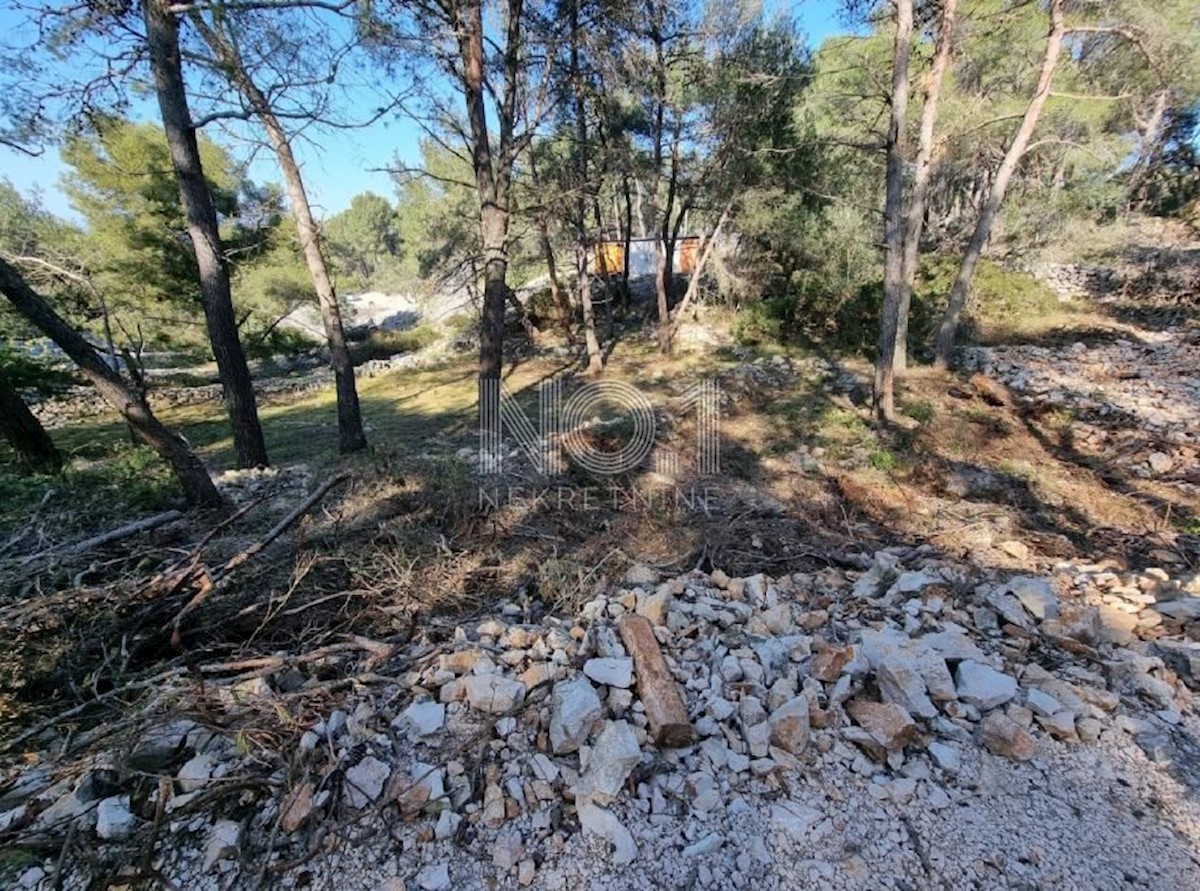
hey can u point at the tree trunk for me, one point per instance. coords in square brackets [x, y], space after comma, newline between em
[626, 242]
[915, 219]
[983, 228]
[693, 288]
[351, 437]
[664, 273]
[556, 291]
[557, 297]
[493, 176]
[193, 477]
[1148, 152]
[583, 281]
[35, 449]
[162, 35]
[893, 229]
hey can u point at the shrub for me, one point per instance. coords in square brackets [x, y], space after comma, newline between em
[764, 320]
[381, 344]
[28, 372]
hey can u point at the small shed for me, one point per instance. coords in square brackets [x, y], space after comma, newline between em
[643, 256]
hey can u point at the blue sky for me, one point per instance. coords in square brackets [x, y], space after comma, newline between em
[337, 164]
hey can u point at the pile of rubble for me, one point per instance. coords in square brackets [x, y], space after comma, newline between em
[760, 720]
[1132, 401]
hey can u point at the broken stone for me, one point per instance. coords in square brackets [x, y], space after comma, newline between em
[982, 686]
[447, 825]
[296, 808]
[1160, 463]
[887, 723]
[832, 662]
[1042, 703]
[196, 773]
[421, 719]
[1036, 595]
[365, 781]
[604, 823]
[434, 878]
[507, 850]
[790, 725]
[794, 819]
[946, 757]
[952, 643]
[655, 607]
[493, 693]
[613, 672]
[114, 819]
[614, 756]
[1001, 735]
[223, 841]
[1060, 725]
[900, 683]
[574, 709]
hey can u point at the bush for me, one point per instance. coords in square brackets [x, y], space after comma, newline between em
[23, 371]
[123, 477]
[381, 344]
[770, 319]
[999, 297]
[856, 321]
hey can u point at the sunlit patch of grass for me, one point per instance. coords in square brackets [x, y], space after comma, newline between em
[921, 411]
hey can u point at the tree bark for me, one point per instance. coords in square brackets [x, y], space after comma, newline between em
[664, 274]
[193, 477]
[583, 280]
[915, 219]
[693, 288]
[893, 231]
[626, 242]
[493, 176]
[987, 217]
[351, 437]
[36, 452]
[162, 35]
[1148, 152]
[557, 297]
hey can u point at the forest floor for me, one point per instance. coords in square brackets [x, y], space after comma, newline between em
[227, 725]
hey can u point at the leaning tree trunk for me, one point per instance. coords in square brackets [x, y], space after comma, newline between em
[893, 223]
[987, 217]
[915, 219]
[1149, 150]
[35, 449]
[162, 35]
[351, 437]
[583, 281]
[193, 477]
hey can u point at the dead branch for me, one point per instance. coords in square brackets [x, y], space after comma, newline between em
[219, 579]
[122, 532]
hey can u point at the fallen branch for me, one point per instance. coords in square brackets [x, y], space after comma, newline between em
[122, 532]
[218, 580]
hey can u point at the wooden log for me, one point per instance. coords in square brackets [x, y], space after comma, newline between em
[669, 724]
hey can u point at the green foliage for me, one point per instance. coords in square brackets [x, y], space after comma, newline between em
[438, 215]
[922, 411]
[31, 372]
[769, 319]
[117, 478]
[136, 247]
[364, 239]
[381, 344]
[999, 299]
[882, 459]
